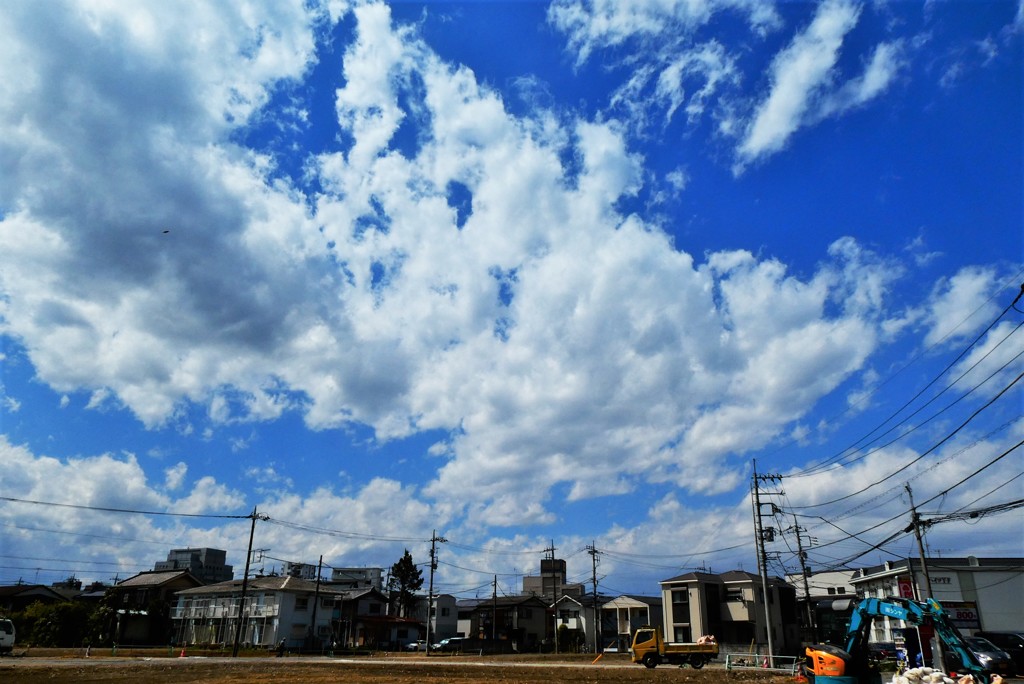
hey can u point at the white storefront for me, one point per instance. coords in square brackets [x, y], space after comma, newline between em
[979, 593]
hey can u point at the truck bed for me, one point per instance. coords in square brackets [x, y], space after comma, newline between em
[683, 647]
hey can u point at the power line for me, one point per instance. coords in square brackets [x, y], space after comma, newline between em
[839, 457]
[924, 453]
[123, 510]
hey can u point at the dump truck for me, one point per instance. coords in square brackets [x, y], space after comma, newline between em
[650, 649]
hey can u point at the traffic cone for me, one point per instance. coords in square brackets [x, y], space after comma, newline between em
[182, 654]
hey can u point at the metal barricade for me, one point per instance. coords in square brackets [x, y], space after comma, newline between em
[761, 661]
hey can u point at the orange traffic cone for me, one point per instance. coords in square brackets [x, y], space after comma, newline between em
[182, 654]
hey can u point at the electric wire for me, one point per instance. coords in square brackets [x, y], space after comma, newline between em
[930, 418]
[828, 463]
[924, 453]
[124, 510]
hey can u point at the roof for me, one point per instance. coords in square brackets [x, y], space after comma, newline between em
[272, 583]
[626, 601]
[693, 577]
[15, 590]
[501, 601]
[158, 578]
[740, 576]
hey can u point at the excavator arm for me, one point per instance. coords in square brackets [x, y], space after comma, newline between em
[831, 665]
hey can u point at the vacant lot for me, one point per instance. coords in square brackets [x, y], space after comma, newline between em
[362, 671]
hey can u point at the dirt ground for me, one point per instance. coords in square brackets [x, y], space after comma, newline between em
[300, 670]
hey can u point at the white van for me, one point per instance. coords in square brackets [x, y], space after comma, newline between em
[6, 636]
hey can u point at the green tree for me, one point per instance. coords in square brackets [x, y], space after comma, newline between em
[61, 624]
[407, 579]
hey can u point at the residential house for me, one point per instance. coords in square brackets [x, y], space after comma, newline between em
[303, 614]
[141, 604]
[17, 597]
[522, 621]
[732, 607]
[575, 623]
[444, 618]
[623, 615]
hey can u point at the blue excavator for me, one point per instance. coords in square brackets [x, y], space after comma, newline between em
[828, 664]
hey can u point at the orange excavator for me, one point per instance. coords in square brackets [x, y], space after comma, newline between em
[827, 664]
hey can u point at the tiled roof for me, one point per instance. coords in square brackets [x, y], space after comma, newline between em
[156, 578]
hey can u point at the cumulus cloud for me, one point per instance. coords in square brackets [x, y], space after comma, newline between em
[444, 266]
[546, 336]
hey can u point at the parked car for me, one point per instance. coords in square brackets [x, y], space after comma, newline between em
[6, 636]
[992, 658]
[449, 644]
[1011, 642]
[418, 645]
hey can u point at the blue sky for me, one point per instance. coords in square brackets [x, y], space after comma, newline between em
[521, 273]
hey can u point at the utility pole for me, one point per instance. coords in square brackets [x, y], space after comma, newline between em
[803, 573]
[554, 589]
[316, 600]
[434, 540]
[245, 581]
[915, 522]
[592, 550]
[762, 535]
[494, 608]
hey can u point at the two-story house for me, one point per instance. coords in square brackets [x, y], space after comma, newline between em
[281, 608]
[733, 607]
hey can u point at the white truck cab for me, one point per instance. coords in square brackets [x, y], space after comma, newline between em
[6, 636]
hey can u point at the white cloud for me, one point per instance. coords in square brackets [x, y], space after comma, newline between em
[550, 336]
[547, 332]
[961, 305]
[175, 476]
[886, 62]
[595, 24]
[797, 73]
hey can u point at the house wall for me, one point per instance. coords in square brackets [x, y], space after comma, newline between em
[620, 618]
[733, 611]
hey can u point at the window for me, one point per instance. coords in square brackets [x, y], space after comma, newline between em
[374, 609]
[642, 636]
[831, 590]
[681, 633]
[445, 612]
[526, 613]
[402, 634]
[680, 605]
[734, 595]
[301, 603]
